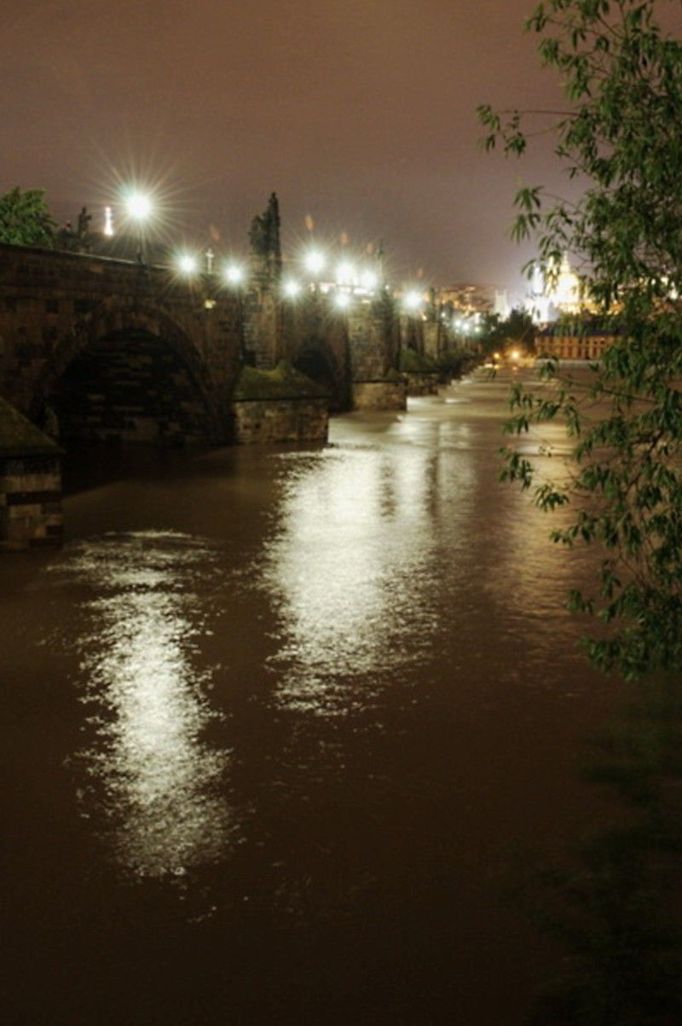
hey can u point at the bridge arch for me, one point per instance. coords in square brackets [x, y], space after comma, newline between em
[325, 359]
[126, 372]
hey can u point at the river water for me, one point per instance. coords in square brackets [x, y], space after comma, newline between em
[283, 726]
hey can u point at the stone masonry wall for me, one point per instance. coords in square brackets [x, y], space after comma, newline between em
[53, 305]
[30, 502]
[131, 389]
[277, 421]
[262, 329]
[370, 353]
[379, 395]
[422, 384]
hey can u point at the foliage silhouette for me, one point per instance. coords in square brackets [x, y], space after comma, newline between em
[623, 80]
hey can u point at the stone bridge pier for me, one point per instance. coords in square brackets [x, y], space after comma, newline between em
[351, 353]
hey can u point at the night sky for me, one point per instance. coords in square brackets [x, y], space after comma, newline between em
[359, 113]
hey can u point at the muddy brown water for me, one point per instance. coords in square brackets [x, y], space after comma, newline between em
[281, 727]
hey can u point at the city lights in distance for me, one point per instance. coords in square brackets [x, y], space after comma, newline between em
[187, 264]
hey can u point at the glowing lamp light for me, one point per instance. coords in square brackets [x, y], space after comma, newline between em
[234, 274]
[369, 280]
[342, 300]
[514, 354]
[412, 300]
[138, 205]
[314, 261]
[187, 263]
[291, 288]
[345, 273]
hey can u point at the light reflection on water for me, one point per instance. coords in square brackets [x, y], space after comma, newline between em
[390, 544]
[393, 664]
[154, 778]
[352, 566]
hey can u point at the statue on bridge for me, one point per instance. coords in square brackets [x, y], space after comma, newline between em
[265, 242]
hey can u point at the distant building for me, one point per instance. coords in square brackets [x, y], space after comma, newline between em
[467, 299]
[563, 344]
[503, 305]
[554, 292]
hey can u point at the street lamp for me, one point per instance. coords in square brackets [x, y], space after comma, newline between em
[187, 264]
[412, 300]
[314, 261]
[345, 274]
[139, 207]
[291, 288]
[369, 280]
[234, 274]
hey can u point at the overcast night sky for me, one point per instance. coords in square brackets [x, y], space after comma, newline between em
[359, 113]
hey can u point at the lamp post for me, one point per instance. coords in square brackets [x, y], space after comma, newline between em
[139, 208]
[187, 264]
[315, 262]
[235, 278]
[291, 288]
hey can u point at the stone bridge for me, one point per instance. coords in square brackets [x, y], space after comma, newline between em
[101, 349]
[111, 349]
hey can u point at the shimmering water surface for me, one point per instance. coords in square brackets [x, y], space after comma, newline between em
[281, 727]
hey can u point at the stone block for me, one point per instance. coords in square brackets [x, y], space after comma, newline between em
[422, 384]
[280, 421]
[379, 395]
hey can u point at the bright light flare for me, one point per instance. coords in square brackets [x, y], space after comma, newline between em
[187, 264]
[291, 289]
[138, 205]
[342, 300]
[369, 280]
[412, 300]
[314, 261]
[345, 273]
[234, 274]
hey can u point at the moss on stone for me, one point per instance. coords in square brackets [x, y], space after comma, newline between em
[283, 382]
[412, 362]
[19, 437]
